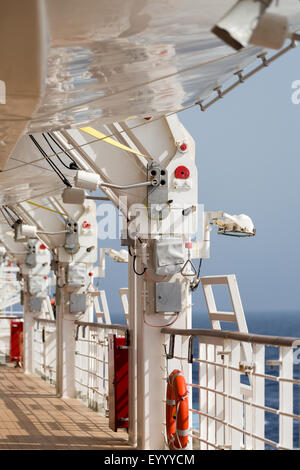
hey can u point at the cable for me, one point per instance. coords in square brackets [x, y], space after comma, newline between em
[130, 186]
[46, 208]
[73, 165]
[52, 233]
[5, 217]
[133, 264]
[199, 267]
[51, 163]
[161, 326]
[9, 214]
[195, 283]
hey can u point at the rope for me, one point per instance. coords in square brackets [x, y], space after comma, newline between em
[46, 208]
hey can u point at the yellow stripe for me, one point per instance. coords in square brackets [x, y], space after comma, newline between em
[46, 208]
[93, 132]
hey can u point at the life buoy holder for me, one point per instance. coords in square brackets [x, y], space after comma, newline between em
[177, 411]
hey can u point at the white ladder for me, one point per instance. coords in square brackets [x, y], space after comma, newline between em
[101, 314]
[237, 316]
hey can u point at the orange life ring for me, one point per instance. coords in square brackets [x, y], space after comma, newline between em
[177, 411]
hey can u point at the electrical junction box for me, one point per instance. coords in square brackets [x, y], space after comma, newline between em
[42, 258]
[16, 341]
[168, 297]
[168, 255]
[77, 303]
[35, 304]
[77, 274]
[36, 285]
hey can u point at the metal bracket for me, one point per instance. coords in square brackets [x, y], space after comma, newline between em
[170, 353]
[72, 238]
[190, 350]
[247, 368]
[158, 207]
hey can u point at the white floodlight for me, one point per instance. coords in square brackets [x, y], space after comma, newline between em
[249, 23]
[29, 231]
[235, 226]
[86, 180]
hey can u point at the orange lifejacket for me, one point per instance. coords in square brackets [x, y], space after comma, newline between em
[177, 411]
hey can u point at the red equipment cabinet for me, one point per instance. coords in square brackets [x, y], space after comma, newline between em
[16, 341]
[118, 382]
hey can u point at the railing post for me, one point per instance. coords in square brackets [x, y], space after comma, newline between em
[258, 384]
[65, 342]
[235, 407]
[132, 355]
[28, 337]
[286, 398]
[50, 353]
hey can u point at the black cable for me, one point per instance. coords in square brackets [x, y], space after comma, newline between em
[9, 214]
[5, 217]
[55, 152]
[129, 251]
[51, 163]
[73, 165]
[199, 268]
[194, 285]
[138, 274]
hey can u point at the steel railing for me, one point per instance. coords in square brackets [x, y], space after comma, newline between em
[236, 404]
[91, 362]
[44, 349]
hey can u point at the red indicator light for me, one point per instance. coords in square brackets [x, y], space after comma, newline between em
[86, 225]
[182, 147]
[43, 247]
[182, 173]
[90, 274]
[45, 277]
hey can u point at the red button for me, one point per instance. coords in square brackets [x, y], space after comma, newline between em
[182, 172]
[86, 225]
[183, 147]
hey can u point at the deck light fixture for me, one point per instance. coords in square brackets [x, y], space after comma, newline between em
[248, 22]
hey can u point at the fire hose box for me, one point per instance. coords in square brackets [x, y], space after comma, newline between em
[118, 382]
[16, 341]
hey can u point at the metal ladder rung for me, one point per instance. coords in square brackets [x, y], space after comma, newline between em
[215, 280]
[223, 316]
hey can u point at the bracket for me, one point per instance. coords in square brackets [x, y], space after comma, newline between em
[158, 207]
[72, 238]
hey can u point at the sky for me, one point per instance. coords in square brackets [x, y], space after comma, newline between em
[247, 153]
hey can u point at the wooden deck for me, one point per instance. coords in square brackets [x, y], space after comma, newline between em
[32, 417]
